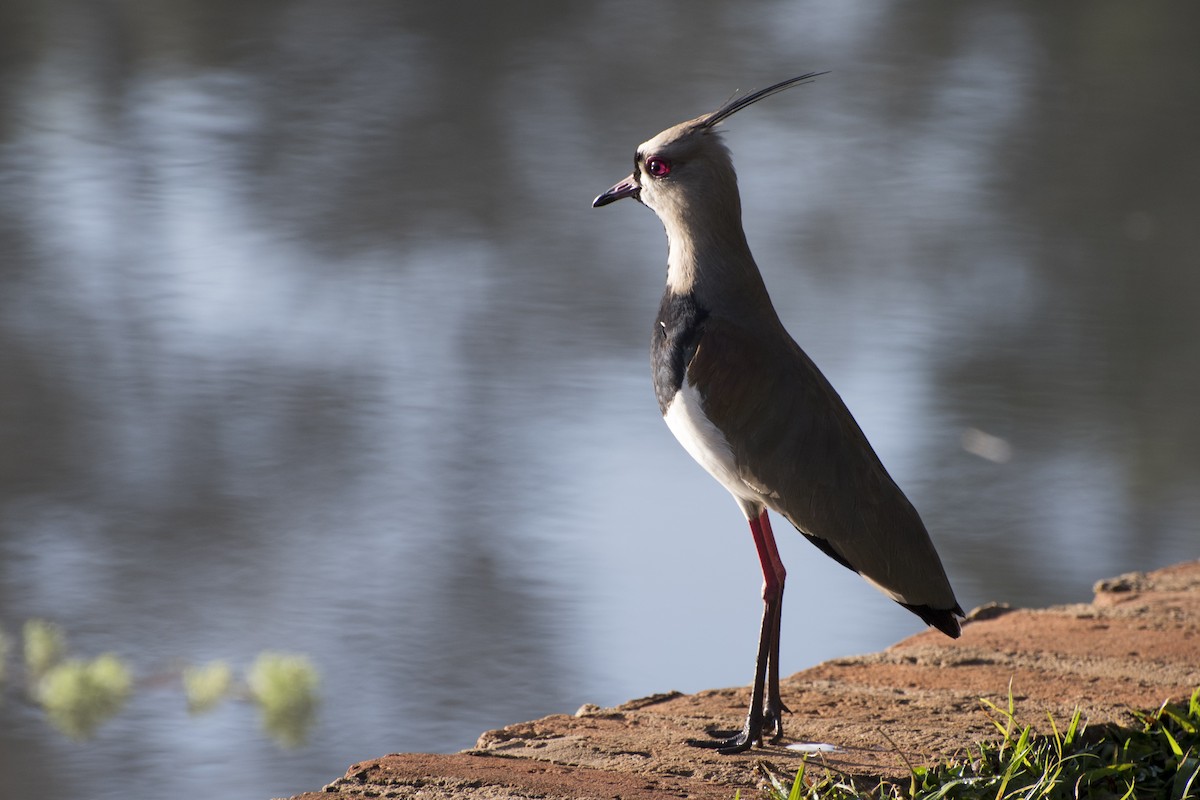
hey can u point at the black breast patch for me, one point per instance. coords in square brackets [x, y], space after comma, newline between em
[677, 332]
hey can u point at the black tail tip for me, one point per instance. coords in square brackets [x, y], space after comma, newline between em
[944, 619]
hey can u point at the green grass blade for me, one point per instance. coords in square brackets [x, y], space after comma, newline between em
[1179, 718]
[1073, 730]
[797, 783]
[1186, 783]
[1058, 742]
[1175, 748]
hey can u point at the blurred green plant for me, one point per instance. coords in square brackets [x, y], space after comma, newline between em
[45, 646]
[78, 694]
[285, 688]
[207, 685]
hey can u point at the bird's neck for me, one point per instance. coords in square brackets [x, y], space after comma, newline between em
[708, 257]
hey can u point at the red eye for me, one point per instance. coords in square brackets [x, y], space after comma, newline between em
[658, 167]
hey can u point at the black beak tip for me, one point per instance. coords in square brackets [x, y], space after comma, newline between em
[626, 188]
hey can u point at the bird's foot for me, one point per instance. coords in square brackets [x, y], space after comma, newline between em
[769, 723]
[739, 742]
[773, 720]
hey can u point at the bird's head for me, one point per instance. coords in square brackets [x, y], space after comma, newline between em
[688, 164]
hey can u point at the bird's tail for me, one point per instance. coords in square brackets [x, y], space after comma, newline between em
[944, 619]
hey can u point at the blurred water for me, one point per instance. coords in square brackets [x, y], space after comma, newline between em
[310, 341]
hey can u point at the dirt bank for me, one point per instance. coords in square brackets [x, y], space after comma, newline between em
[1135, 645]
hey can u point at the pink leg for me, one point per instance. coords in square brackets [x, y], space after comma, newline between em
[774, 577]
[766, 707]
[774, 574]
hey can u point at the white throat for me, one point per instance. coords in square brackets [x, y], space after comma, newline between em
[681, 261]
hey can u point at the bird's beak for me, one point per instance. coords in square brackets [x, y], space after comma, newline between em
[626, 188]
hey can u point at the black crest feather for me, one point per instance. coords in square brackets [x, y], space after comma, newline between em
[738, 103]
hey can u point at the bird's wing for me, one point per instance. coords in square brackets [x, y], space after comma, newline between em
[797, 445]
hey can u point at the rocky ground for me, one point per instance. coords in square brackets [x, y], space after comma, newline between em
[1134, 646]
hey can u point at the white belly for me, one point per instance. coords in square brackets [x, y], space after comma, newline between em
[705, 443]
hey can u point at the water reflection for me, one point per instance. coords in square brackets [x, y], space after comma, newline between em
[310, 341]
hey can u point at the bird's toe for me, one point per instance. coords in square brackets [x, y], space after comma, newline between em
[730, 742]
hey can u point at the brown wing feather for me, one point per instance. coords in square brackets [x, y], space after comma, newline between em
[797, 444]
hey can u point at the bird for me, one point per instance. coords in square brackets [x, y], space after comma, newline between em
[754, 410]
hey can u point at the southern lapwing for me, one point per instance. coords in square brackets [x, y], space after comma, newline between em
[747, 403]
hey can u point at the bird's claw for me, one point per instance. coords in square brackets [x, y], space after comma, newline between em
[773, 721]
[751, 734]
[726, 746]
